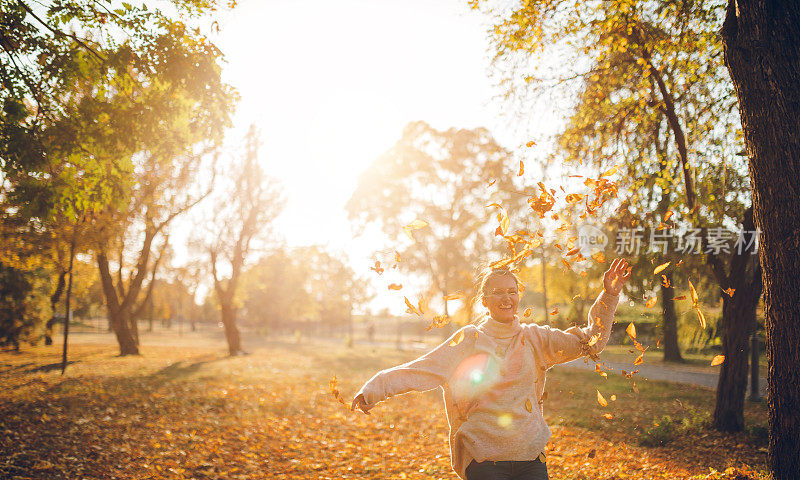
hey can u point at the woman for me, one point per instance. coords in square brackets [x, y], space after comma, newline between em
[493, 377]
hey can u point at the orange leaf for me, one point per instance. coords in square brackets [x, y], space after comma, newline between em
[701, 317]
[599, 257]
[631, 331]
[667, 215]
[530, 144]
[377, 268]
[610, 171]
[729, 291]
[457, 339]
[411, 308]
[453, 296]
[492, 182]
[681, 297]
[395, 286]
[573, 251]
[693, 292]
[661, 268]
[608, 416]
[527, 312]
[601, 400]
[613, 398]
[396, 257]
[594, 339]
[639, 360]
[521, 168]
[718, 360]
[555, 311]
[528, 406]
[651, 302]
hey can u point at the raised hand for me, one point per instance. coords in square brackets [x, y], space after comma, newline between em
[615, 277]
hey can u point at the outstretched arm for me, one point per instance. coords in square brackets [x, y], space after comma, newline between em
[559, 346]
[424, 373]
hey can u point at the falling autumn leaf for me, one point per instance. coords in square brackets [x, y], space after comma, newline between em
[729, 291]
[555, 311]
[718, 360]
[608, 416]
[599, 257]
[530, 143]
[651, 302]
[681, 297]
[693, 292]
[639, 360]
[377, 267]
[396, 257]
[395, 286]
[668, 215]
[665, 281]
[440, 321]
[601, 400]
[573, 251]
[661, 268]
[528, 406]
[631, 331]
[492, 182]
[453, 296]
[613, 398]
[415, 225]
[609, 172]
[457, 339]
[701, 317]
[527, 312]
[411, 308]
[521, 168]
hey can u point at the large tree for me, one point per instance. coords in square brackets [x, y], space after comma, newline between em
[762, 52]
[654, 96]
[439, 177]
[243, 212]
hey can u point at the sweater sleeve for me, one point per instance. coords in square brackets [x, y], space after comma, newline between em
[559, 346]
[424, 373]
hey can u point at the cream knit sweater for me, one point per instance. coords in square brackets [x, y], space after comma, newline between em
[492, 376]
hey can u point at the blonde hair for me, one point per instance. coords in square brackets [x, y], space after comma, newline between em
[487, 273]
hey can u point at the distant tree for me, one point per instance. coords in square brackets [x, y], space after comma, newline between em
[243, 212]
[442, 178]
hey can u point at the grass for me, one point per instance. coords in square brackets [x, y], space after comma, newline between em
[188, 411]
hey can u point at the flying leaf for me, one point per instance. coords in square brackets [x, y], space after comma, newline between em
[332, 384]
[639, 360]
[377, 267]
[601, 400]
[415, 225]
[661, 268]
[521, 168]
[453, 296]
[665, 281]
[609, 172]
[411, 308]
[701, 317]
[573, 251]
[395, 286]
[613, 398]
[651, 302]
[440, 321]
[528, 406]
[527, 312]
[530, 144]
[718, 360]
[574, 197]
[729, 291]
[599, 257]
[457, 339]
[396, 257]
[492, 182]
[555, 311]
[594, 339]
[608, 416]
[681, 297]
[631, 331]
[667, 215]
[693, 292]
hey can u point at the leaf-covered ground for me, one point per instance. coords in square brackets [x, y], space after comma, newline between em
[192, 412]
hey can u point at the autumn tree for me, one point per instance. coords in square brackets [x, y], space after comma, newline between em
[762, 52]
[243, 213]
[653, 94]
[441, 178]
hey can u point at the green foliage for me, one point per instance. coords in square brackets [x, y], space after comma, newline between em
[665, 429]
[22, 309]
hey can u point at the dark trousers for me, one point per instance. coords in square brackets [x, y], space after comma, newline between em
[507, 470]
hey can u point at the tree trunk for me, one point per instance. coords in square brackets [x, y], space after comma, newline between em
[67, 306]
[231, 330]
[762, 53]
[121, 323]
[672, 352]
[48, 332]
[738, 321]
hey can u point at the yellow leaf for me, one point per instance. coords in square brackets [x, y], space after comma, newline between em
[701, 317]
[594, 339]
[613, 398]
[599, 257]
[631, 331]
[521, 168]
[693, 292]
[457, 339]
[395, 286]
[417, 224]
[718, 360]
[528, 406]
[527, 312]
[651, 302]
[601, 400]
[610, 171]
[453, 296]
[555, 311]
[681, 297]
[639, 360]
[661, 268]
[530, 144]
[608, 416]
[729, 291]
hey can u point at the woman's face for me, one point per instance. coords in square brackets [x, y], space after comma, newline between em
[501, 297]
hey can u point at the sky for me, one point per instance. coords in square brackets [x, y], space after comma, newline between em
[331, 86]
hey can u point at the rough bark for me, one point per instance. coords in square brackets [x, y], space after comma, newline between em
[762, 53]
[672, 352]
[232, 334]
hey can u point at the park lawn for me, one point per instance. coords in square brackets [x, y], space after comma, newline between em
[192, 412]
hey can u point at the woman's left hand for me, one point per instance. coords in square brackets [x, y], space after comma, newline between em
[615, 277]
